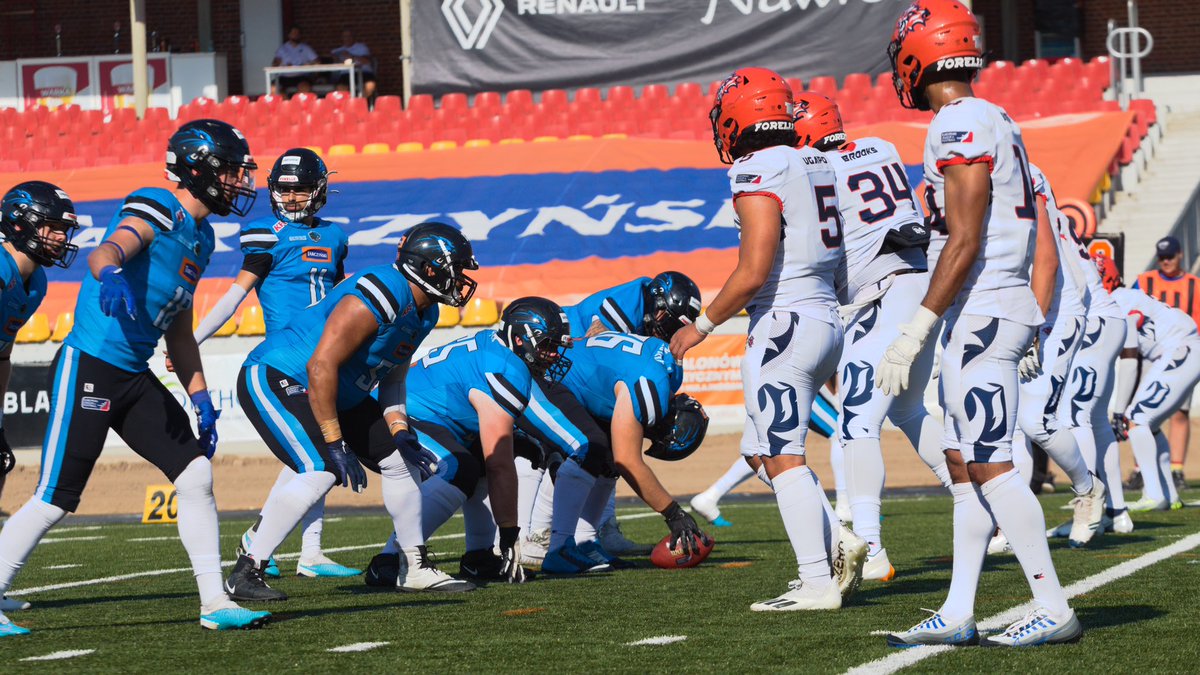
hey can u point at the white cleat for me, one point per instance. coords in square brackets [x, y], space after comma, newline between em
[842, 510]
[1148, 504]
[1037, 628]
[936, 631]
[1089, 510]
[802, 596]
[848, 561]
[1122, 523]
[705, 504]
[534, 547]
[418, 573]
[999, 545]
[878, 568]
[8, 604]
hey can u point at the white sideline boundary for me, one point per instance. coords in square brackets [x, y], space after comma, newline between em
[902, 658]
[283, 556]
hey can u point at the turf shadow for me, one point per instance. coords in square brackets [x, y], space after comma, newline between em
[1111, 616]
[76, 602]
[280, 617]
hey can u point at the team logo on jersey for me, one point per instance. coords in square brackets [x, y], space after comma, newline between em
[278, 226]
[295, 390]
[748, 178]
[314, 254]
[190, 271]
[315, 236]
[96, 404]
[958, 136]
[179, 215]
[88, 387]
[283, 383]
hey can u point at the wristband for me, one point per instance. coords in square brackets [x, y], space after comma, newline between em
[403, 426]
[672, 511]
[114, 268]
[704, 325]
[331, 430]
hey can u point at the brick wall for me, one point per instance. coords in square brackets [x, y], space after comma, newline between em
[375, 22]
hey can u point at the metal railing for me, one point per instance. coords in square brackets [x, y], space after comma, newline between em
[1126, 51]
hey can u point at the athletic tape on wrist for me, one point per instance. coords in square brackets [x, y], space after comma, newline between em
[331, 430]
[705, 325]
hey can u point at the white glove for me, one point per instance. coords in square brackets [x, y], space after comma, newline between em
[892, 374]
[1030, 365]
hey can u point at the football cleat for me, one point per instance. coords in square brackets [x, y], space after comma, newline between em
[10, 629]
[1134, 482]
[383, 570]
[878, 568]
[935, 631]
[705, 504]
[482, 564]
[1176, 505]
[802, 596]
[1178, 479]
[1148, 504]
[842, 510]
[8, 604]
[227, 615]
[533, 548]
[272, 568]
[848, 562]
[1063, 530]
[999, 545]
[592, 549]
[323, 567]
[1121, 523]
[418, 573]
[568, 559]
[1037, 628]
[1089, 509]
[614, 541]
[247, 582]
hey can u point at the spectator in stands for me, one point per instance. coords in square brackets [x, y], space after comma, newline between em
[1175, 287]
[360, 54]
[294, 53]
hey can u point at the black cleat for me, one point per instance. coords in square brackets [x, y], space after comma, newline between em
[247, 582]
[383, 571]
[482, 564]
[1135, 481]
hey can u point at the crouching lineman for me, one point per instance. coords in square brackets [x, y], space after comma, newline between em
[1166, 337]
[464, 399]
[307, 390]
[143, 276]
[37, 220]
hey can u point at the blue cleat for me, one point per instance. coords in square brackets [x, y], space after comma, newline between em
[721, 522]
[229, 616]
[323, 567]
[272, 569]
[9, 629]
[935, 631]
[592, 549]
[568, 559]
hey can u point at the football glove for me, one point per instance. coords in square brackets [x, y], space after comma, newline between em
[892, 375]
[206, 422]
[412, 451]
[1120, 426]
[1030, 365]
[684, 530]
[8, 461]
[347, 467]
[510, 555]
[116, 297]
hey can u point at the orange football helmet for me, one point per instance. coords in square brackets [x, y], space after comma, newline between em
[751, 99]
[932, 36]
[1109, 273]
[818, 121]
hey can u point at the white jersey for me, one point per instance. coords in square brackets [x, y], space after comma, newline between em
[1156, 329]
[970, 131]
[1071, 296]
[810, 245]
[874, 198]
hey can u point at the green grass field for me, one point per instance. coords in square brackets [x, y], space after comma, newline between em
[1144, 622]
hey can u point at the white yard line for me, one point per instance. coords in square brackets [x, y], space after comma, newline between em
[59, 656]
[657, 641]
[61, 567]
[907, 657]
[81, 528]
[59, 540]
[358, 647]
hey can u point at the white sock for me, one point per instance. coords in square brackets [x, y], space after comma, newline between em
[837, 461]
[1108, 457]
[478, 520]
[832, 526]
[865, 475]
[529, 480]
[573, 487]
[392, 545]
[737, 474]
[1085, 440]
[925, 434]
[1060, 445]
[798, 494]
[543, 505]
[1145, 453]
[439, 501]
[21, 534]
[284, 509]
[402, 499]
[198, 530]
[973, 527]
[1022, 455]
[311, 526]
[762, 475]
[1019, 516]
[594, 508]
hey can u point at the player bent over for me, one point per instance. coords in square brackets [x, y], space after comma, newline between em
[785, 274]
[37, 220]
[143, 276]
[292, 258]
[307, 390]
[1167, 338]
[979, 189]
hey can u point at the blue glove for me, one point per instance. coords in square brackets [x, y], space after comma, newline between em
[411, 450]
[116, 297]
[346, 467]
[206, 422]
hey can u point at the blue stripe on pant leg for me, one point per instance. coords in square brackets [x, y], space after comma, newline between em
[58, 431]
[286, 428]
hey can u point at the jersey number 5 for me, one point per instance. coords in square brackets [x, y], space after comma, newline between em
[627, 343]
[439, 354]
[826, 213]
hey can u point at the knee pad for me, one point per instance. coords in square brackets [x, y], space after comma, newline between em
[197, 478]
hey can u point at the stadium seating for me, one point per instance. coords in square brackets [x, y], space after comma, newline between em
[252, 323]
[480, 312]
[449, 316]
[62, 326]
[37, 329]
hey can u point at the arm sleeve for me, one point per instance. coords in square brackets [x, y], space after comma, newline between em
[220, 313]
[392, 393]
[1133, 321]
[959, 136]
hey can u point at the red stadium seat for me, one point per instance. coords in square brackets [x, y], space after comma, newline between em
[1099, 71]
[455, 101]
[555, 99]
[654, 92]
[860, 82]
[688, 90]
[588, 95]
[795, 83]
[823, 85]
[489, 100]
[389, 105]
[422, 103]
[519, 99]
[619, 93]
[9, 166]
[1146, 109]
[884, 81]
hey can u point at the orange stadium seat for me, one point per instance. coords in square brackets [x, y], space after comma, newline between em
[387, 105]
[456, 102]
[588, 96]
[823, 85]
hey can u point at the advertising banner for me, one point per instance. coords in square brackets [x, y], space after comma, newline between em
[115, 80]
[55, 82]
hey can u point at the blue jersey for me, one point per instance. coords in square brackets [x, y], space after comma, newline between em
[402, 327]
[439, 384]
[296, 265]
[620, 308]
[19, 299]
[644, 364]
[163, 278]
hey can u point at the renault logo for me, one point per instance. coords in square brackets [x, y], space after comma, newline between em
[472, 34]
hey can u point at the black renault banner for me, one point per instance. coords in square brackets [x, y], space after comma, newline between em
[498, 45]
[27, 405]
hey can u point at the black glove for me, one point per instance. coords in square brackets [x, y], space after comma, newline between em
[510, 555]
[684, 531]
[412, 451]
[1120, 426]
[347, 467]
[8, 461]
